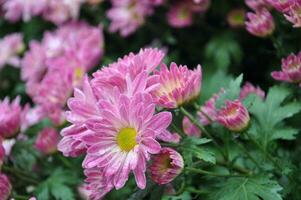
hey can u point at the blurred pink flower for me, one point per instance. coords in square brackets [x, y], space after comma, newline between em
[189, 128]
[248, 89]
[127, 15]
[5, 187]
[234, 116]
[199, 6]
[11, 116]
[178, 85]
[293, 13]
[60, 11]
[10, 46]
[2, 153]
[124, 135]
[166, 166]
[98, 185]
[208, 112]
[53, 67]
[256, 4]
[180, 15]
[23, 9]
[291, 69]
[280, 5]
[47, 140]
[260, 24]
[83, 191]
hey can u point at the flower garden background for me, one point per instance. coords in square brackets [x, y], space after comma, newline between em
[150, 99]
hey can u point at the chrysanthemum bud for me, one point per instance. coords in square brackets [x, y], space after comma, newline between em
[234, 116]
[5, 187]
[166, 166]
[47, 141]
[189, 128]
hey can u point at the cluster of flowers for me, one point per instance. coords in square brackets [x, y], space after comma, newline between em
[126, 15]
[55, 11]
[52, 67]
[261, 23]
[114, 122]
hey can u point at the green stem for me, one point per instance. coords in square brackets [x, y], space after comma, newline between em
[182, 189]
[178, 130]
[193, 190]
[202, 128]
[200, 171]
[243, 148]
[235, 167]
[65, 161]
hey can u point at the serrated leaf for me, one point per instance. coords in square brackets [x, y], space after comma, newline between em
[231, 92]
[270, 113]
[255, 188]
[205, 155]
[42, 191]
[285, 133]
[61, 192]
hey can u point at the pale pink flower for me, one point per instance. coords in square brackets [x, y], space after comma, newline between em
[291, 69]
[293, 13]
[82, 107]
[60, 11]
[189, 128]
[23, 9]
[256, 4]
[83, 191]
[8, 145]
[260, 24]
[280, 5]
[47, 141]
[127, 15]
[130, 74]
[236, 18]
[178, 85]
[98, 185]
[208, 111]
[166, 166]
[199, 6]
[248, 89]
[10, 46]
[234, 116]
[10, 117]
[5, 187]
[124, 136]
[180, 15]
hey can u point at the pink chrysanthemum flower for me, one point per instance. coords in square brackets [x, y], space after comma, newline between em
[280, 5]
[166, 166]
[234, 116]
[236, 18]
[180, 15]
[98, 185]
[5, 187]
[248, 89]
[47, 141]
[178, 85]
[23, 9]
[293, 13]
[199, 6]
[2, 152]
[128, 15]
[261, 23]
[189, 128]
[124, 135]
[291, 69]
[10, 117]
[10, 46]
[60, 11]
[256, 4]
[82, 107]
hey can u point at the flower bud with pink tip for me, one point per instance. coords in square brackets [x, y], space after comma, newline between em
[180, 15]
[291, 69]
[234, 116]
[47, 141]
[248, 89]
[5, 187]
[166, 166]
[260, 23]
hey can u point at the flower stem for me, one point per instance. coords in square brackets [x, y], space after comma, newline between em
[65, 161]
[20, 175]
[204, 172]
[202, 128]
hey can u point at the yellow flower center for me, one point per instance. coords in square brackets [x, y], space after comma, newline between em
[126, 139]
[165, 163]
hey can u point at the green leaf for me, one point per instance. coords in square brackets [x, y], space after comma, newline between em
[269, 115]
[61, 192]
[204, 154]
[255, 188]
[42, 191]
